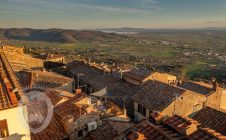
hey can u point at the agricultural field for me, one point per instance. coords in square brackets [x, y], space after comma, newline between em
[187, 54]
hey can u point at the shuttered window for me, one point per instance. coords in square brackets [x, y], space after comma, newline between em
[142, 110]
[3, 129]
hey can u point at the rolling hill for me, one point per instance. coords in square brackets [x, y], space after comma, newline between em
[58, 35]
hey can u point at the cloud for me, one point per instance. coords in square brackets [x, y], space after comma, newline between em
[115, 6]
[109, 9]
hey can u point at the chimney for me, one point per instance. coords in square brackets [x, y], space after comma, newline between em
[125, 113]
[157, 117]
[78, 91]
[179, 82]
[183, 125]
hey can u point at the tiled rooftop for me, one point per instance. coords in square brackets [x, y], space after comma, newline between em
[57, 97]
[211, 118]
[54, 131]
[180, 124]
[61, 113]
[196, 87]
[95, 77]
[206, 134]
[69, 108]
[120, 127]
[109, 130]
[103, 132]
[42, 79]
[10, 90]
[171, 129]
[138, 74]
[157, 95]
[148, 131]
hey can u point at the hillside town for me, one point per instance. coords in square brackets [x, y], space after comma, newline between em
[85, 100]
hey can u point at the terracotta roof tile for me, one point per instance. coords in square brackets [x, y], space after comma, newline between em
[120, 127]
[198, 88]
[69, 108]
[54, 131]
[10, 90]
[110, 130]
[206, 134]
[103, 132]
[138, 74]
[97, 80]
[42, 79]
[57, 96]
[180, 124]
[211, 118]
[157, 96]
[172, 129]
[149, 131]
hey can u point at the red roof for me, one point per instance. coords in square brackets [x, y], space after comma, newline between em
[69, 108]
[179, 123]
[171, 129]
[211, 118]
[54, 131]
[10, 90]
[206, 134]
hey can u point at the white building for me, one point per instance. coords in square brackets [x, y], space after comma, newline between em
[13, 115]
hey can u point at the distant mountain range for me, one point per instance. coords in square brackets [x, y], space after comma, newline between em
[140, 30]
[70, 36]
[57, 35]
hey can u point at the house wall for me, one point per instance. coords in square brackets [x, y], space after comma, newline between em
[16, 50]
[18, 128]
[223, 100]
[57, 59]
[185, 104]
[214, 99]
[137, 115]
[162, 77]
[80, 124]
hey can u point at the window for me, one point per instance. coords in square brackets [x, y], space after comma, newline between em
[80, 133]
[142, 110]
[3, 129]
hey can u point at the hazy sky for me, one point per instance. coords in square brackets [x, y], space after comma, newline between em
[80, 14]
